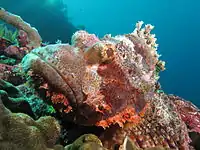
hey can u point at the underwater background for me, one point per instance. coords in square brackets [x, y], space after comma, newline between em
[176, 24]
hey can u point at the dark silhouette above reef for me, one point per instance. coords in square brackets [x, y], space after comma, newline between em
[51, 20]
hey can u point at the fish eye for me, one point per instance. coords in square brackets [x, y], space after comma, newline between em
[109, 52]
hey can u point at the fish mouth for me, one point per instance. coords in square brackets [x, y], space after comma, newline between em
[49, 72]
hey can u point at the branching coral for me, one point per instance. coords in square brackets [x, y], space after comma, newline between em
[8, 34]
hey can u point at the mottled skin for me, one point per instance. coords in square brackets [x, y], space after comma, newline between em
[112, 83]
[97, 81]
[150, 132]
[189, 113]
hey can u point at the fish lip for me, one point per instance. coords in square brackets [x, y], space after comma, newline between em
[73, 103]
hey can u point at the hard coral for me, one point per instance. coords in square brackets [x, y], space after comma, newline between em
[86, 142]
[22, 99]
[20, 132]
[14, 99]
[105, 81]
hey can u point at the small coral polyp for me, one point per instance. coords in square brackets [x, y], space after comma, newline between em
[104, 80]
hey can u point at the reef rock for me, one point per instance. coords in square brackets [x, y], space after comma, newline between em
[18, 131]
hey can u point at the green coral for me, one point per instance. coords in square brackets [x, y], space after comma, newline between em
[7, 60]
[16, 97]
[51, 110]
[8, 34]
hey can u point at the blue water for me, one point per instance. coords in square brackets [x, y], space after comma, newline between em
[177, 26]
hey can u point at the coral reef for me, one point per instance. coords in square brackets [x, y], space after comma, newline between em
[109, 83]
[22, 99]
[19, 131]
[34, 39]
[7, 34]
[14, 99]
